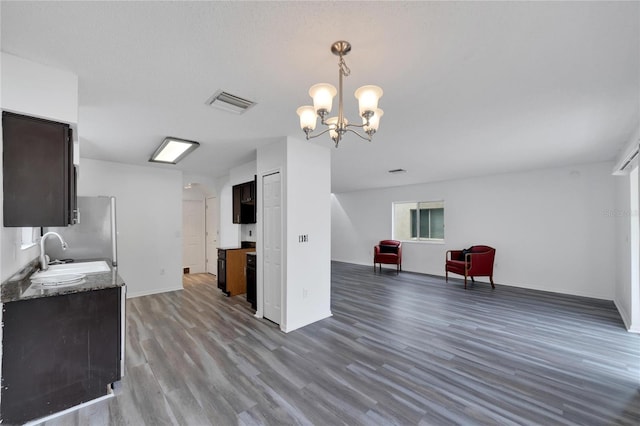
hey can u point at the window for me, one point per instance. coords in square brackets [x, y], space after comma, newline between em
[418, 221]
[28, 237]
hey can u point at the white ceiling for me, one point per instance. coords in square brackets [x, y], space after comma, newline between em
[470, 88]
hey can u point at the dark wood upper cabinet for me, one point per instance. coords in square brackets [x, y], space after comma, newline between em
[39, 178]
[244, 202]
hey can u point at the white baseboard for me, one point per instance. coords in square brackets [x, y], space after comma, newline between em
[289, 328]
[68, 410]
[131, 294]
[626, 318]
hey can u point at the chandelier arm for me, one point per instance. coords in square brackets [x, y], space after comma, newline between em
[363, 137]
[357, 125]
[309, 136]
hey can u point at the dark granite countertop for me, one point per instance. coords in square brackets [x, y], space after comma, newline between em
[236, 248]
[17, 287]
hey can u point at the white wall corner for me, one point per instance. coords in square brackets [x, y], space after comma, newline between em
[628, 157]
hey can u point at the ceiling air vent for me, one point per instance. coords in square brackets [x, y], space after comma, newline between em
[228, 102]
[397, 171]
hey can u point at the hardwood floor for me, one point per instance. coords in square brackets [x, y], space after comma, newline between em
[406, 349]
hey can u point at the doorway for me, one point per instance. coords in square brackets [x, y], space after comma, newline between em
[193, 225]
[272, 247]
[211, 234]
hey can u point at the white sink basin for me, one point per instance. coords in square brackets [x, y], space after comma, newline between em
[73, 268]
[58, 280]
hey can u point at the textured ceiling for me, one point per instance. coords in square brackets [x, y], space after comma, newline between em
[470, 88]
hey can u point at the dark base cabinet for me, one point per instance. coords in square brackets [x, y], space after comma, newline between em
[58, 352]
[222, 270]
[251, 281]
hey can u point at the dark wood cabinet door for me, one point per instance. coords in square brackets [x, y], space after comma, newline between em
[237, 204]
[244, 202]
[251, 281]
[222, 270]
[59, 351]
[38, 173]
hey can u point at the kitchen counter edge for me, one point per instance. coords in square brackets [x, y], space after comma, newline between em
[13, 289]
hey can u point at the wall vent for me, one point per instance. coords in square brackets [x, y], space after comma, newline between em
[228, 102]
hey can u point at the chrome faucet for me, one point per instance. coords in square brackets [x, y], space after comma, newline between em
[44, 261]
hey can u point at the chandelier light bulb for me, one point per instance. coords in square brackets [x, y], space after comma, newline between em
[368, 97]
[374, 121]
[322, 95]
[308, 118]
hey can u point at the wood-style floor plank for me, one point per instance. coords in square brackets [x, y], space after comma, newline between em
[399, 350]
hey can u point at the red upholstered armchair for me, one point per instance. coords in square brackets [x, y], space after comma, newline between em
[389, 252]
[477, 261]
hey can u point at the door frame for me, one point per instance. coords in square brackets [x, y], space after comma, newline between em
[211, 257]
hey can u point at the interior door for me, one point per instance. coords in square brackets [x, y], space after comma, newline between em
[212, 215]
[193, 235]
[272, 247]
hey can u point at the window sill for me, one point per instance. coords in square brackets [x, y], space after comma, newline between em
[422, 241]
[27, 246]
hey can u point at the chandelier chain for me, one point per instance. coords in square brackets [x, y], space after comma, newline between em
[344, 69]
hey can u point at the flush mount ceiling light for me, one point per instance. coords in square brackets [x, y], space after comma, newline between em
[323, 94]
[172, 150]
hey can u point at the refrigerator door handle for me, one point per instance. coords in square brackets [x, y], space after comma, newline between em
[114, 233]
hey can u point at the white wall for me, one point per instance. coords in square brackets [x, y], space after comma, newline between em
[149, 217]
[308, 295]
[37, 90]
[549, 227]
[306, 186]
[231, 233]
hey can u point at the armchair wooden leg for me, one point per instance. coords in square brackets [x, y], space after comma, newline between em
[446, 276]
[473, 280]
[398, 269]
[374, 268]
[465, 282]
[491, 279]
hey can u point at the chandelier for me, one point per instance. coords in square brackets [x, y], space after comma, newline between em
[323, 94]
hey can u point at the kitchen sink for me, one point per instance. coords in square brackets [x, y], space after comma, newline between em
[58, 281]
[72, 268]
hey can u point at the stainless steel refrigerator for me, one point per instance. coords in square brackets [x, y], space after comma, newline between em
[93, 237]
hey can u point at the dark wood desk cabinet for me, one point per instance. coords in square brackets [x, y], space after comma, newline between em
[58, 352]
